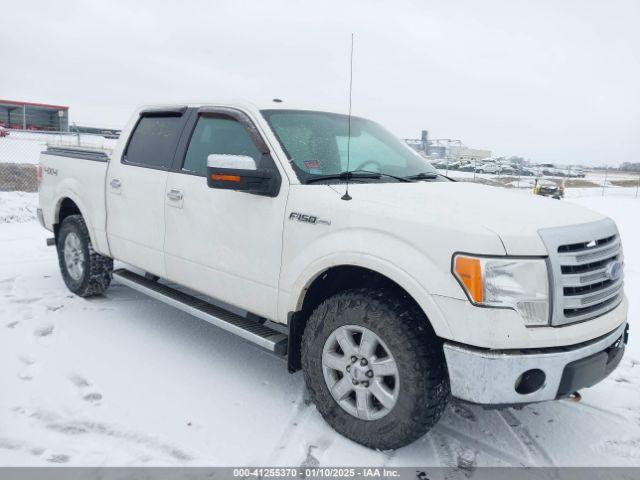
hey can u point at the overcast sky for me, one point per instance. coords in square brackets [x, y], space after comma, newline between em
[554, 81]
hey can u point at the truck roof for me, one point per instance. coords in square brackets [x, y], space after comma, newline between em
[253, 105]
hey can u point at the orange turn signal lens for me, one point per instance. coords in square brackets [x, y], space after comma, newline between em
[225, 178]
[469, 272]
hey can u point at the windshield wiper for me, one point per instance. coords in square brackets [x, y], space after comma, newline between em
[357, 174]
[425, 176]
[400, 179]
[344, 176]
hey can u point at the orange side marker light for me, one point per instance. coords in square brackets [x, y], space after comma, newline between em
[469, 272]
[225, 178]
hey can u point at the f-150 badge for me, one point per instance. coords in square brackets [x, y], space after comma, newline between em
[312, 219]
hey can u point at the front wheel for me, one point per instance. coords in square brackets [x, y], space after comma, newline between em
[374, 368]
[85, 272]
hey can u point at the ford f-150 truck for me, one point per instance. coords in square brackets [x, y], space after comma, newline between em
[394, 287]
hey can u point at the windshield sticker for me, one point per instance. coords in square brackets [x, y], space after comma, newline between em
[313, 166]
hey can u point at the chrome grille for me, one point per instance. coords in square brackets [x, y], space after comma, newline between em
[579, 258]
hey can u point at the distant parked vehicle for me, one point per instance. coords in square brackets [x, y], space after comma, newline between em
[4, 132]
[547, 188]
[551, 170]
[495, 168]
[488, 168]
[575, 173]
[506, 169]
[527, 172]
[441, 164]
[453, 165]
[467, 167]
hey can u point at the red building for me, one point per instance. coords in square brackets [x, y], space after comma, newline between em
[34, 116]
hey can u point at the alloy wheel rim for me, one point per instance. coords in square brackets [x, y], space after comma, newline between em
[360, 372]
[74, 256]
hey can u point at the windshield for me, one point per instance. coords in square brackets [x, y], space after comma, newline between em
[316, 144]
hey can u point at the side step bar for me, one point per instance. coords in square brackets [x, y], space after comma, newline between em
[250, 330]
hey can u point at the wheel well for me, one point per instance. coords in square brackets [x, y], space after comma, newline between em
[328, 283]
[67, 207]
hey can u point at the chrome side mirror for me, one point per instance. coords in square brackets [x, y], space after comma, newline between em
[235, 162]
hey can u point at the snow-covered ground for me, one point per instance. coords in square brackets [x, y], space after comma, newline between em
[125, 380]
[17, 207]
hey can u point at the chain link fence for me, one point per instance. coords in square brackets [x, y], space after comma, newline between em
[20, 150]
[605, 182]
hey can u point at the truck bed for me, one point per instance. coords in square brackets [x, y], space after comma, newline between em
[77, 174]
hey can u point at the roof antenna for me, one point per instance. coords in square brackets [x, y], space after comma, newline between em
[346, 195]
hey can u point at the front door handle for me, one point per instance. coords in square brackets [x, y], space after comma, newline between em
[175, 195]
[115, 183]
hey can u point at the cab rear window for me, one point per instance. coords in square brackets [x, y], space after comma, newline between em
[153, 142]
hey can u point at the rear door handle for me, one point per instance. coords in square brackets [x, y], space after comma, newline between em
[175, 195]
[115, 183]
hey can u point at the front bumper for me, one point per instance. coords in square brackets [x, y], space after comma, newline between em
[507, 378]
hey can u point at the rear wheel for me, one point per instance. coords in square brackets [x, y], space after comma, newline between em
[84, 271]
[374, 368]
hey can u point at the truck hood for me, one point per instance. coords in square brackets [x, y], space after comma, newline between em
[514, 216]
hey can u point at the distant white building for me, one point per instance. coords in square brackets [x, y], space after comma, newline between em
[472, 154]
[446, 148]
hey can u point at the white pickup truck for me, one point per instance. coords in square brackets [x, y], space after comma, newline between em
[394, 286]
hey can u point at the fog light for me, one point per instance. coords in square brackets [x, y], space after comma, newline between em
[530, 381]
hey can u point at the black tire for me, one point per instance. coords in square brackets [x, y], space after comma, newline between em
[423, 388]
[96, 273]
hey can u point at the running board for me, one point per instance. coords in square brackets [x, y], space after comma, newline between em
[250, 330]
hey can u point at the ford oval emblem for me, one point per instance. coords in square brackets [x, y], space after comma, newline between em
[614, 270]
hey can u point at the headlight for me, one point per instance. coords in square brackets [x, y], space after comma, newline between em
[521, 284]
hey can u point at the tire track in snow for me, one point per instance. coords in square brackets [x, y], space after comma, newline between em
[536, 453]
[470, 442]
[442, 447]
[456, 440]
[86, 427]
[587, 406]
[301, 407]
[36, 451]
[301, 439]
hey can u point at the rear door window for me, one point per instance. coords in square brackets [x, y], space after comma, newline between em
[154, 141]
[222, 135]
